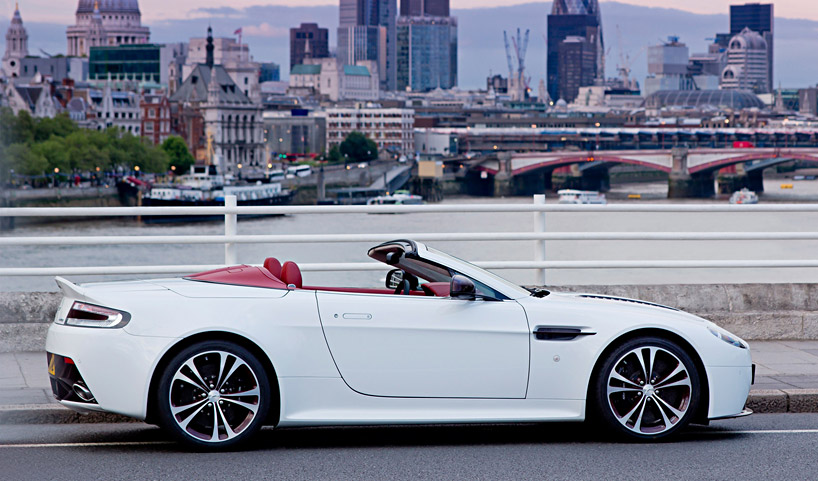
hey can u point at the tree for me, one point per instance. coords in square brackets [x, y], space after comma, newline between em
[359, 148]
[178, 154]
[24, 161]
[334, 154]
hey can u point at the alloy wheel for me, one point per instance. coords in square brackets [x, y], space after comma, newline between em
[649, 390]
[214, 396]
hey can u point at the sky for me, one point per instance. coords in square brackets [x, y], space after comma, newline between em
[62, 11]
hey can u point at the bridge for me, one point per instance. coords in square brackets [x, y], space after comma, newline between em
[691, 171]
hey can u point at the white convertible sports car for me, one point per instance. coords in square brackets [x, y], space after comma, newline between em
[214, 356]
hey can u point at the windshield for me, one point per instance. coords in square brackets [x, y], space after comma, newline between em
[492, 276]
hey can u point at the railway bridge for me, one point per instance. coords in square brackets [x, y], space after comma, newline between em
[691, 172]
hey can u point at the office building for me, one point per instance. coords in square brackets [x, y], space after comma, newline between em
[758, 17]
[421, 8]
[327, 78]
[573, 18]
[747, 66]
[308, 41]
[295, 131]
[577, 57]
[392, 129]
[367, 30]
[137, 62]
[427, 53]
[269, 72]
[668, 67]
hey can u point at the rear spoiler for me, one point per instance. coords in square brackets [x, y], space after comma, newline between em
[69, 289]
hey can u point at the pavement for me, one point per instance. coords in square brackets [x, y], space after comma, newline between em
[786, 381]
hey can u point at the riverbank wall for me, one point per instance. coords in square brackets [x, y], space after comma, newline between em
[752, 311]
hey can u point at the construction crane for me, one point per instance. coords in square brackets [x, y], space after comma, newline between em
[516, 76]
[508, 56]
[520, 49]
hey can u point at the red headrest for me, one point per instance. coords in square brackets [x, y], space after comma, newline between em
[272, 265]
[291, 274]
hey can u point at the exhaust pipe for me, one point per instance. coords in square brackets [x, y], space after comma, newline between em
[83, 392]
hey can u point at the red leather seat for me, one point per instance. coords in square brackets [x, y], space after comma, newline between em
[272, 265]
[291, 274]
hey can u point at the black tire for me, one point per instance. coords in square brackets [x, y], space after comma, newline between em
[236, 392]
[666, 399]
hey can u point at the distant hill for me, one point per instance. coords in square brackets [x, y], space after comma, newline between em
[481, 36]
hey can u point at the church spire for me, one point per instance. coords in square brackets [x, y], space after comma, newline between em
[209, 48]
[16, 44]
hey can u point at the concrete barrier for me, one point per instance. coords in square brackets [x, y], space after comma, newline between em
[752, 311]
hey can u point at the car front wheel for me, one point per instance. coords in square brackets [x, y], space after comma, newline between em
[647, 388]
[213, 395]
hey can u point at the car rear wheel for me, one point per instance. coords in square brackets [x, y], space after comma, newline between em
[213, 395]
[647, 388]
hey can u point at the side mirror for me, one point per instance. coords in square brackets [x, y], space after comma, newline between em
[462, 287]
[394, 279]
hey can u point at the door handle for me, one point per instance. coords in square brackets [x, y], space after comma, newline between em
[357, 315]
[559, 333]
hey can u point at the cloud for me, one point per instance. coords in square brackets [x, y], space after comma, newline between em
[208, 12]
[265, 30]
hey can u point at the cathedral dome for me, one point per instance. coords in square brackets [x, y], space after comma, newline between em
[109, 6]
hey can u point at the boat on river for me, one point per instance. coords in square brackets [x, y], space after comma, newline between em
[744, 196]
[204, 187]
[572, 196]
[400, 197]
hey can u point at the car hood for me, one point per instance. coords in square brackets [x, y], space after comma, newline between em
[602, 308]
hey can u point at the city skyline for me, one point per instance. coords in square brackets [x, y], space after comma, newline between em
[62, 12]
[266, 30]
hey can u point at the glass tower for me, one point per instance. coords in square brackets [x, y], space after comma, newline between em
[573, 18]
[367, 30]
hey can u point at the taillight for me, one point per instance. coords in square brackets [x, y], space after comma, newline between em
[83, 314]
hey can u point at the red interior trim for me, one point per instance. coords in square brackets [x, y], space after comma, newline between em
[249, 276]
[360, 290]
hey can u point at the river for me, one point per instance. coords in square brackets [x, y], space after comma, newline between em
[40, 256]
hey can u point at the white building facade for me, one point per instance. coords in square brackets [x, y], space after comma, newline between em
[392, 129]
[105, 23]
[328, 78]
[747, 63]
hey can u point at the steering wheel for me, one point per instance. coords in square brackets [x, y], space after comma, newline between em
[409, 283]
[403, 286]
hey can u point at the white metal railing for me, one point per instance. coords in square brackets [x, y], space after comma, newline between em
[231, 239]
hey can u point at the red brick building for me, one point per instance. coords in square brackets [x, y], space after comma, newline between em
[155, 117]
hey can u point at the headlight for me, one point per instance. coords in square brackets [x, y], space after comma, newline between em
[83, 314]
[726, 337]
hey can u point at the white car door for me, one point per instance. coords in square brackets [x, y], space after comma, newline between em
[415, 346]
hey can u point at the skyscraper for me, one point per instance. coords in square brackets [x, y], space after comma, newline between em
[746, 63]
[308, 40]
[573, 18]
[367, 30]
[758, 17]
[419, 8]
[427, 46]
